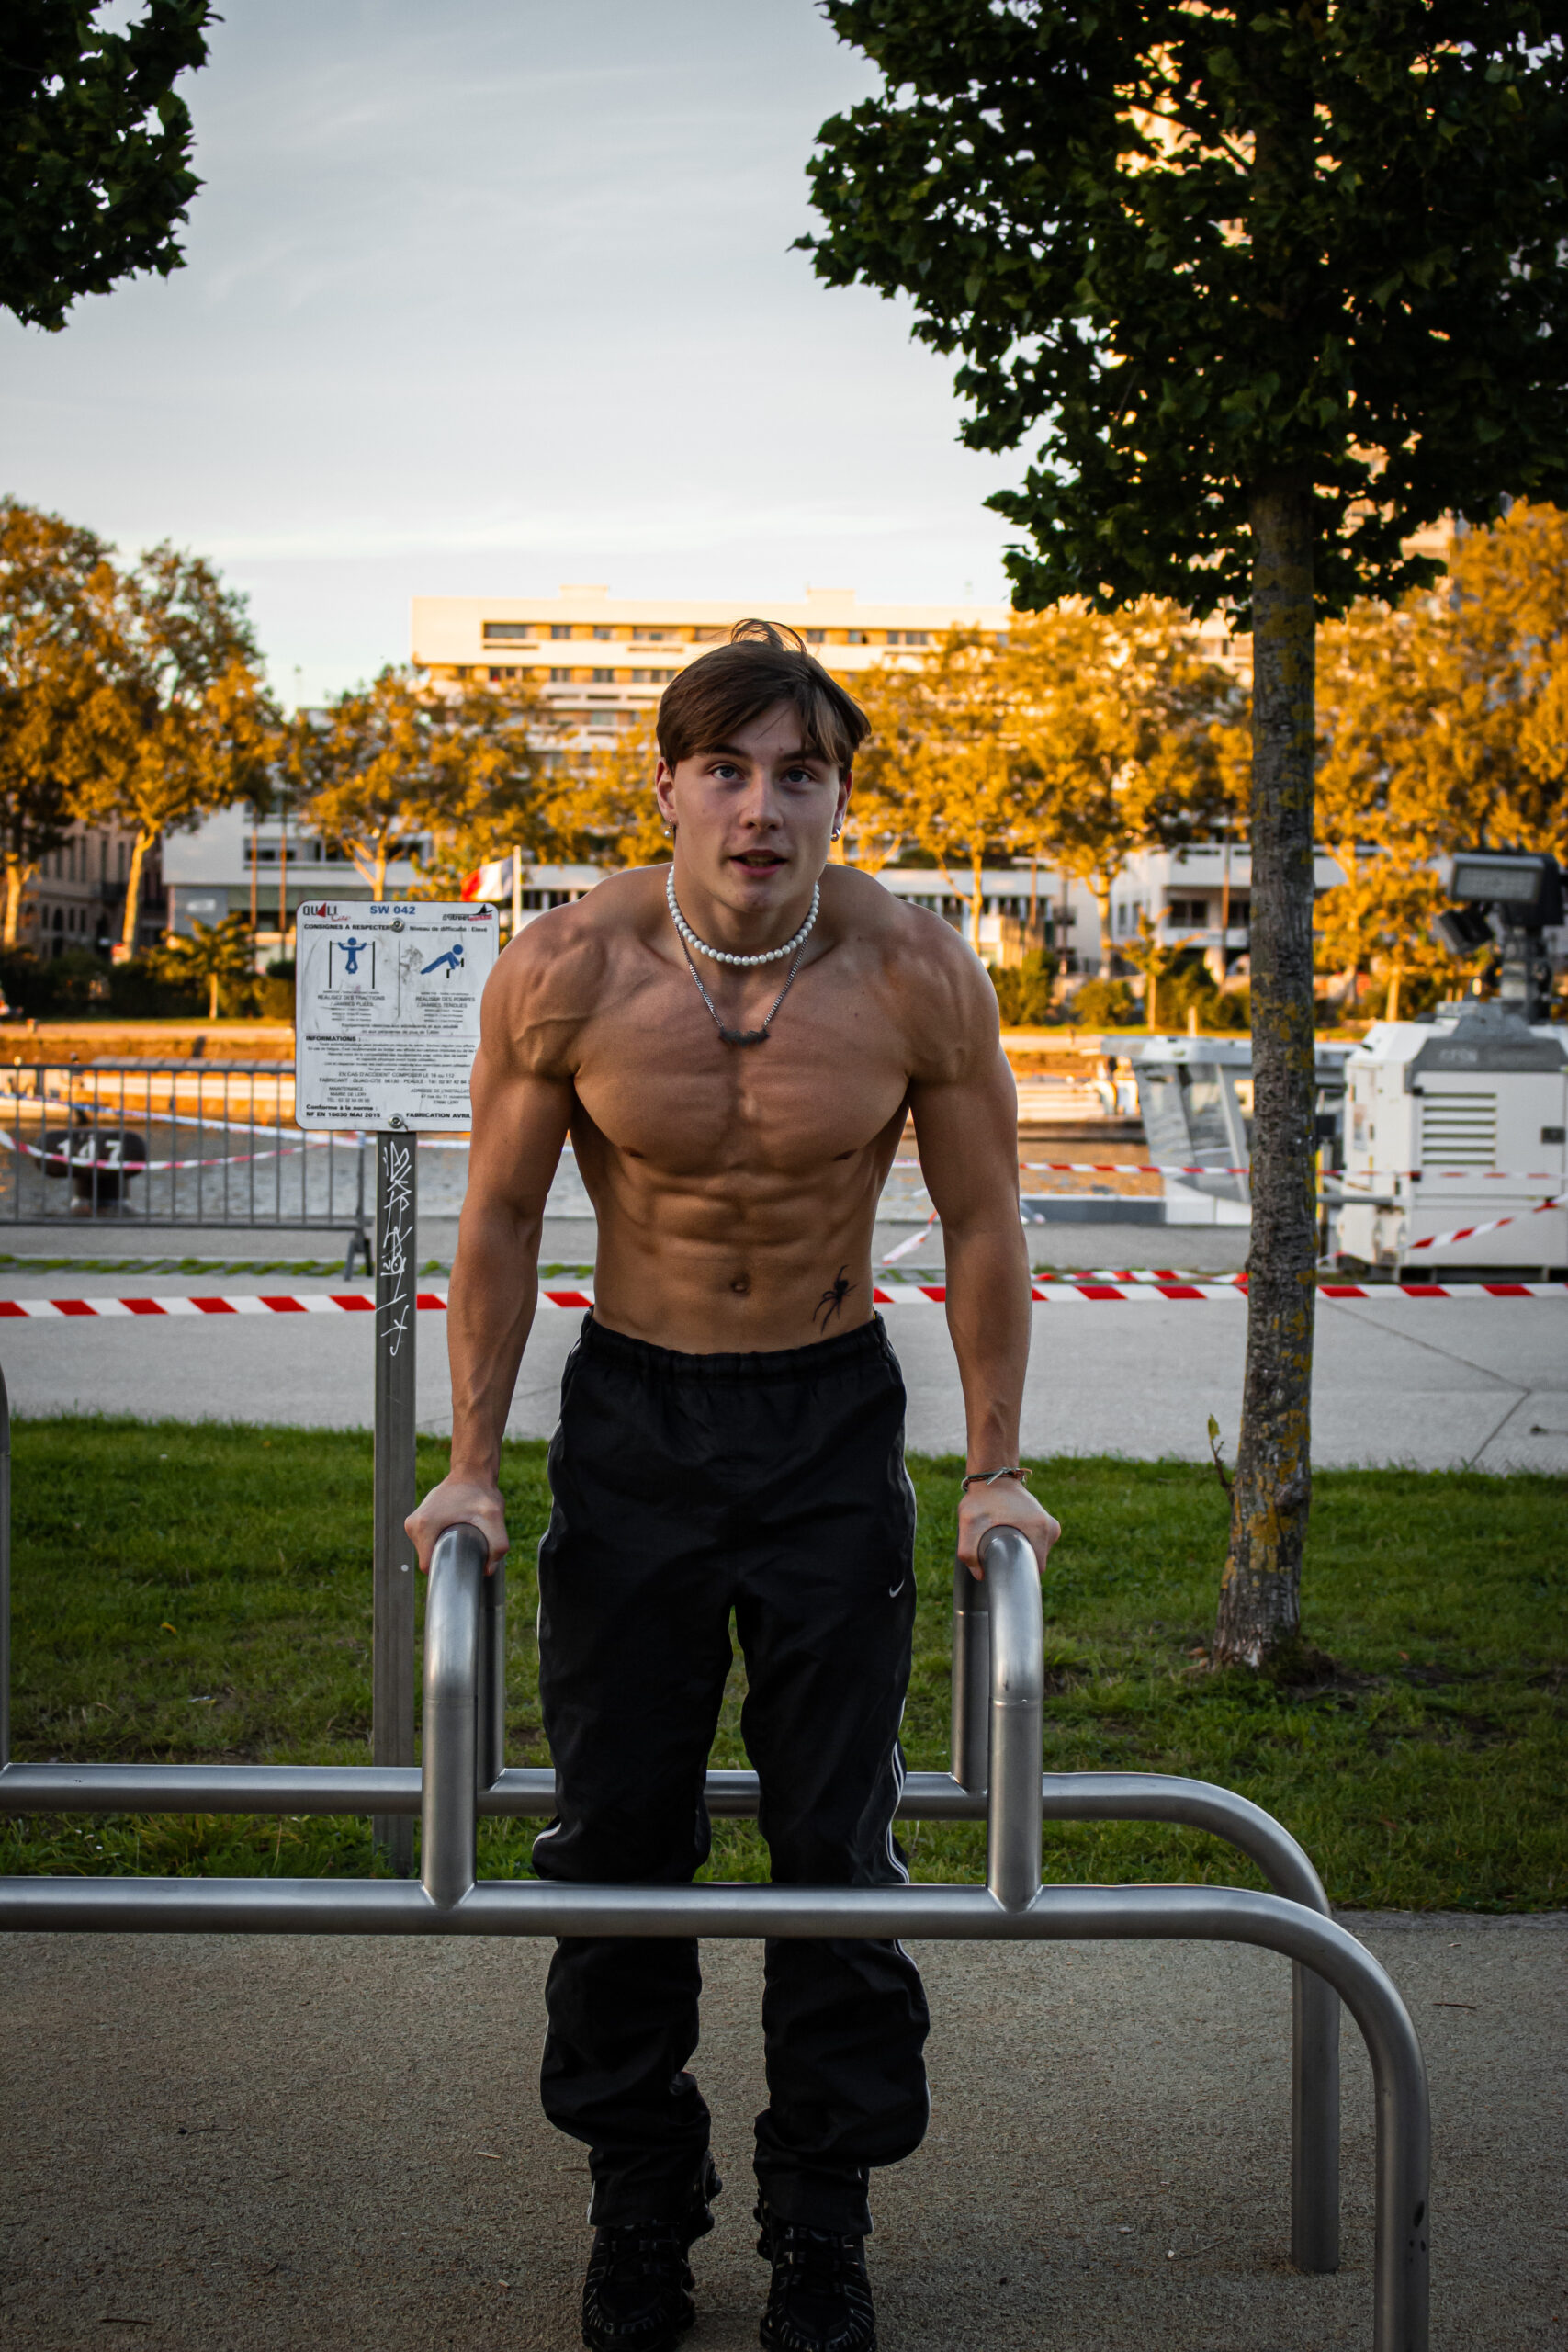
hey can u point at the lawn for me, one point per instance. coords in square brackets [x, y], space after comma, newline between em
[185, 1592]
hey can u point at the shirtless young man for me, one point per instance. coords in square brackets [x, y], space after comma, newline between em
[731, 1438]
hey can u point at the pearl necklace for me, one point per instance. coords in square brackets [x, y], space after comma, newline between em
[689, 938]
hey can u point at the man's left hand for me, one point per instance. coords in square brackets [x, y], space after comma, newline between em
[1007, 1504]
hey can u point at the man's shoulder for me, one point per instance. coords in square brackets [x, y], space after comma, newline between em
[552, 976]
[918, 947]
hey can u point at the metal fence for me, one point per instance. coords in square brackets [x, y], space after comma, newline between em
[191, 1144]
[998, 1686]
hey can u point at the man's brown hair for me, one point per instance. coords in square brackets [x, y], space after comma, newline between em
[762, 666]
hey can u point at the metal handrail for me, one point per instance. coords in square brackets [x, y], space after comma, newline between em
[997, 1652]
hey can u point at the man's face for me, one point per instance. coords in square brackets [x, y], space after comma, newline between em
[755, 815]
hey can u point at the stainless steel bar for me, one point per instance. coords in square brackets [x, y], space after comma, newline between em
[540, 1908]
[1012, 1579]
[971, 1681]
[451, 1725]
[395, 1562]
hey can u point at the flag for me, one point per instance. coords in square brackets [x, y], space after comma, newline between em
[492, 881]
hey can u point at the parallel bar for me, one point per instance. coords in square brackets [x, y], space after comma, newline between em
[1012, 1579]
[452, 1653]
[1219, 1915]
[971, 1683]
[5, 1575]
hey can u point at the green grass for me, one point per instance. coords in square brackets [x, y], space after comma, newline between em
[187, 1592]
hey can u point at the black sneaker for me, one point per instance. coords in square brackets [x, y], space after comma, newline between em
[636, 2296]
[820, 2297]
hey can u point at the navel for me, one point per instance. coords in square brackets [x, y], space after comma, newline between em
[742, 1285]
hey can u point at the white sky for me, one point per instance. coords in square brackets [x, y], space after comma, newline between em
[488, 297]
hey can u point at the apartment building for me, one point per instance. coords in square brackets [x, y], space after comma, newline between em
[76, 896]
[601, 662]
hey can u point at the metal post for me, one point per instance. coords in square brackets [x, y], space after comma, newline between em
[452, 1712]
[4, 1574]
[971, 1681]
[1017, 1699]
[395, 1558]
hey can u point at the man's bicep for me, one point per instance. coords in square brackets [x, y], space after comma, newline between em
[966, 1129]
[520, 1119]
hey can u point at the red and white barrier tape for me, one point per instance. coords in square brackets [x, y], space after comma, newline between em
[78, 1162]
[1468, 1232]
[906, 1295]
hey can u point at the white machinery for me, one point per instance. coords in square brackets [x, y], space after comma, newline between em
[1454, 1124]
[1195, 1095]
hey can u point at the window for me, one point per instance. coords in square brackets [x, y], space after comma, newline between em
[560, 677]
[908, 637]
[817, 637]
[603, 636]
[855, 637]
[507, 632]
[651, 635]
[560, 629]
[708, 635]
[496, 675]
[651, 677]
[604, 677]
[600, 719]
[1189, 914]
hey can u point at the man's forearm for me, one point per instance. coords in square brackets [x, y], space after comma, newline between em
[987, 1316]
[495, 1288]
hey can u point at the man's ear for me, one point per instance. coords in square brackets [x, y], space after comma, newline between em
[664, 791]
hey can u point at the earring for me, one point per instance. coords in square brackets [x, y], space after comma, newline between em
[836, 831]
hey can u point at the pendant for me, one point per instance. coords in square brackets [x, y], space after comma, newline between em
[742, 1036]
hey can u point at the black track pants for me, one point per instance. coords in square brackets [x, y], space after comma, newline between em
[686, 1487]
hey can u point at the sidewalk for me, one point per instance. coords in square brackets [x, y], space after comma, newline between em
[1436, 1383]
[226, 2144]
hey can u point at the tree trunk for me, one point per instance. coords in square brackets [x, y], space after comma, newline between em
[1391, 1009]
[380, 878]
[16, 882]
[212, 996]
[977, 876]
[138, 849]
[1259, 1613]
[1102, 906]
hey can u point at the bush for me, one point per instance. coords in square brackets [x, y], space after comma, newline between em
[1023, 992]
[276, 993]
[1103, 1004]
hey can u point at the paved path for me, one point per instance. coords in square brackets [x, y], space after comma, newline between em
[298, 2145]
[1435, 1383]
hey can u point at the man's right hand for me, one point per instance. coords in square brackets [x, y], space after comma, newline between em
[473, 1502]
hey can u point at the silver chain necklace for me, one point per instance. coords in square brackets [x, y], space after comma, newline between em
[719, 955]
[742, 1036]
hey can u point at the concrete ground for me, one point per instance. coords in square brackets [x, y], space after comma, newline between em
[294, 2145]
[1434, 1383]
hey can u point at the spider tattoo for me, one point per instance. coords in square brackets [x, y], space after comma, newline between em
[832, 1299]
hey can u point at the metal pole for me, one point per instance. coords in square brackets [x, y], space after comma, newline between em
[4, 1574]
[491, 1761]
[1017, 1700]
[453, 1707]
[395, 1559]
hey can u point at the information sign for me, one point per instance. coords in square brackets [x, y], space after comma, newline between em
[387, 1011]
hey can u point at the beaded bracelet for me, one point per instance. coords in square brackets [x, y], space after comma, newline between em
[989, 1478]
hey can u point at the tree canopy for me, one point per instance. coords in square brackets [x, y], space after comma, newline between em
[1188, 246]
[95, 149]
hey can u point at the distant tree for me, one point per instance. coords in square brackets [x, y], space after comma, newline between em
[57, 586]
[219, 957]
[942, 762]
[398, 763]
[185, 724]
[601, 810]
[1117, 723]
[94, 149]
[1155, 957]
[1274, 286]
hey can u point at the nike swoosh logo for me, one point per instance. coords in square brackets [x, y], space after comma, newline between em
[894, 1590]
